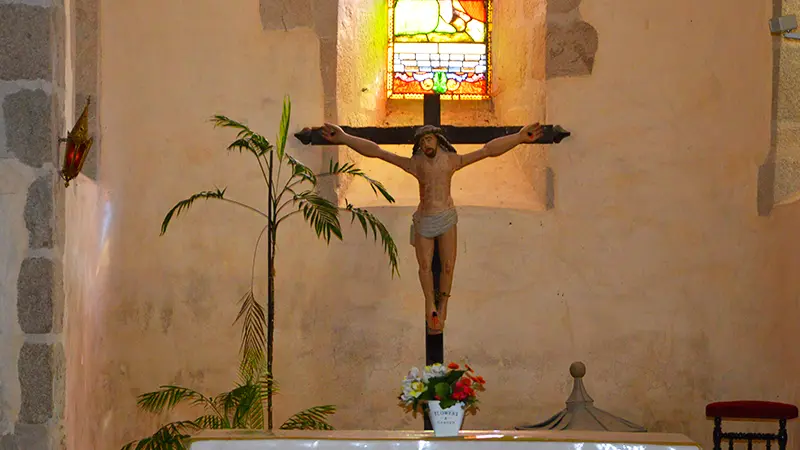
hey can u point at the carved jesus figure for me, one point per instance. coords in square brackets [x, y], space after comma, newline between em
[433, 162]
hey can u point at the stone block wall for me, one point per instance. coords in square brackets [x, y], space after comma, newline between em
[779, 180]
[571, 42]
[31, 236]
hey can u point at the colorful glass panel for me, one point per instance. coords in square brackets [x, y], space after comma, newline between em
[439, 47]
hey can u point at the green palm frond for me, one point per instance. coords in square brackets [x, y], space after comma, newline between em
[255, 144]
[266, 384]
[261, 144]
[247, 139]
[320, 213]
[169, 437]
[336, 168]
[166, 397]
[186, 204]
[315, 418]
[255, 416]
[235, 404]
[283, 131]
[254, 340]
[370, 222]
[241, 145]
[260, 376]
[226, 122]
[211, 422]
[301, 170]
[248, 406]
[226, 404]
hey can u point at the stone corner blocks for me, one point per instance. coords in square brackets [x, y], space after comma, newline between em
[39, 213]
[36, 383]
[25, 37]
[571, 49]
[35, 295]
[29, 126]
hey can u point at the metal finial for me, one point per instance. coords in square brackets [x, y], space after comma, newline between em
[580, 413]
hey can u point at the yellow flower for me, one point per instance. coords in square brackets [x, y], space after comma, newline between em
[417, 388]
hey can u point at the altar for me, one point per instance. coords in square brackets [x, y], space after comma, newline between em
[425, 440]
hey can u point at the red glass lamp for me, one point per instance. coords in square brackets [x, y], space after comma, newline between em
[78, 145]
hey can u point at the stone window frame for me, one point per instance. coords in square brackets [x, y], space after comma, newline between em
[570, 48]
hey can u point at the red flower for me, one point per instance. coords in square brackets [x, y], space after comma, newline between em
[479, 379]
[460, 395]
[469, 369]
[452, 366]
[462, 389]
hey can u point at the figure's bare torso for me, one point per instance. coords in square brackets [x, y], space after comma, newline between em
[435, 175]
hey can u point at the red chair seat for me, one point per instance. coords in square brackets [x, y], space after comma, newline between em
[751, 409]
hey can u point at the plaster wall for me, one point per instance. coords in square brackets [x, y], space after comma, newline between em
[166, 305]
[787, 249]
[650, 268]
[659, 203]
[85, 272]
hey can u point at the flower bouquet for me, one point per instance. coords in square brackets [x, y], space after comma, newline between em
[444, 393]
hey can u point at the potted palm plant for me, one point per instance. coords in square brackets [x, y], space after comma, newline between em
[291, 189]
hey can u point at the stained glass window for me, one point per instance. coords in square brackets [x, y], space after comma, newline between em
[439, 47]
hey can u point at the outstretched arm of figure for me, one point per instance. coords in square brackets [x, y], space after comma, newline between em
[336, 135]
[498, 146]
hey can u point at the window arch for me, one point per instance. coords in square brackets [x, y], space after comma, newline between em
[516, 33]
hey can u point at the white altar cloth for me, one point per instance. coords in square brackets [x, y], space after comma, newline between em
[425, 440]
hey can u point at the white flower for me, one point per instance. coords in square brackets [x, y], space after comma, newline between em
[414, 384]
[433, 371]
[413, 374]
[412, 390]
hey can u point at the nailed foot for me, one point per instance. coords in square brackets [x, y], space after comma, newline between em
[432, 322]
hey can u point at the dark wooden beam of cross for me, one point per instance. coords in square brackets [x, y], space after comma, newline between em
[553, 134]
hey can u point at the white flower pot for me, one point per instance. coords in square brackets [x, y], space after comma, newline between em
[446, 422]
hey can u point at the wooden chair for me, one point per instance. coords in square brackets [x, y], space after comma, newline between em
[751, 410]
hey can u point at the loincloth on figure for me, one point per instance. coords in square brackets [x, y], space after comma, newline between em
[433, 225]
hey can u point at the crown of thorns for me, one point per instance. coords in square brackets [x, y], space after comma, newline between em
[434, 130]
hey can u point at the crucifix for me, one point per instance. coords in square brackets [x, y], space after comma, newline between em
[437, 49]
[545, 134]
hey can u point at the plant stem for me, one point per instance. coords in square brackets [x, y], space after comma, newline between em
[245, 206]
[287, 216]
[270, 291]
[255, 255]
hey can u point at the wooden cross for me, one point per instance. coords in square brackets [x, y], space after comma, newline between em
[553, 134]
